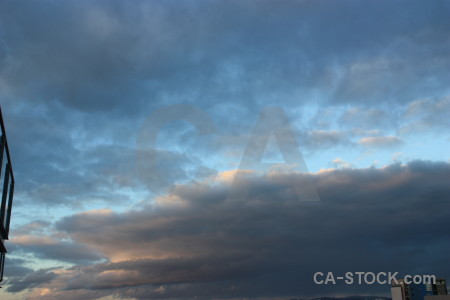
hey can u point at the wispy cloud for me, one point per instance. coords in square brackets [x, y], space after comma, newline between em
[381, 141]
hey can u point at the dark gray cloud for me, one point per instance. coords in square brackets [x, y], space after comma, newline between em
[40, 239]
[16, 268]
[197, 242]
[94, 56]
[33, 279]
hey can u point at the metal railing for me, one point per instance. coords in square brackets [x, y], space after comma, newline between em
[7, 175]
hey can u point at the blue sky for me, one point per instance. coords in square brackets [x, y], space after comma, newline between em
[358, 100]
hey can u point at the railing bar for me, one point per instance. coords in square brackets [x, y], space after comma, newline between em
[8, 213]
[5, 193]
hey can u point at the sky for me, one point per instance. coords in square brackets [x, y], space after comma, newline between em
[224, 149]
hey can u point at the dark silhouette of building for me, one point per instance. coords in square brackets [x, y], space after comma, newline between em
[7, 185]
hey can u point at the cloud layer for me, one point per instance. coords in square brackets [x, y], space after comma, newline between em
[389, 219]
[362, 85]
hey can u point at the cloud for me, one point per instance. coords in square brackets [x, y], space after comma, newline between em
[46, 247]
[340, 163]
[426, 116]
[317, 139]
[80, 101]
[34, 227]
[235, 50]
[15, 267]
[78, 79]
[368, 118]
[381, 141]
[31, 280]
[270, 245]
